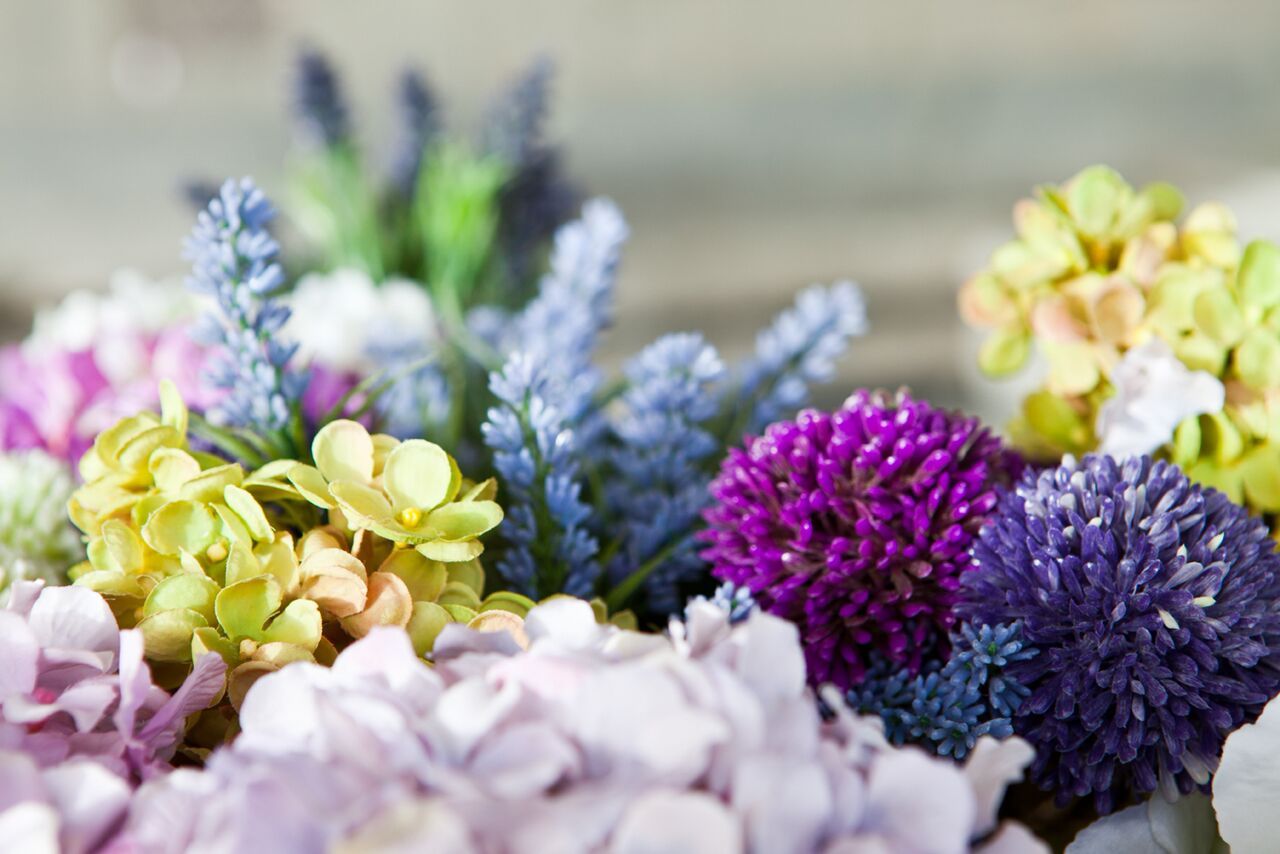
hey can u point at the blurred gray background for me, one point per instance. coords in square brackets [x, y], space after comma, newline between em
[755, 146]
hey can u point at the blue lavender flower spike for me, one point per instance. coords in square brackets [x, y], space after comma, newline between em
[419, 124]
[659, 489]
[800, 348]
[575, 299]
[319, 108]
[234, 261]
[1155, 606]
[531, 433]
[512, 129]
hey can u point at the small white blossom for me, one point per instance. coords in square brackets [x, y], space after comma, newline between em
[1154, 392]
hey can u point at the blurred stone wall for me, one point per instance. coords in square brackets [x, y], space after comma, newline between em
[755, 146]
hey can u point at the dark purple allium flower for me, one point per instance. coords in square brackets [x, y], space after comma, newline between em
[856, 525]
[1155, 604]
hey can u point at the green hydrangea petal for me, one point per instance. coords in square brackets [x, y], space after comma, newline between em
[450, 552]
[181, 526]
[343, 450]
[178, 592]
[166, 635]
[363, 505]
[459, 594]
[244, 607]
[461, 521]
[425, 624]
[420, 474]
[425, 578]
[250, 512]
[311, 485]
[300, 624]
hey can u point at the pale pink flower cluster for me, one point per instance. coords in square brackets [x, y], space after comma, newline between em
[592, 739]
[81, 723]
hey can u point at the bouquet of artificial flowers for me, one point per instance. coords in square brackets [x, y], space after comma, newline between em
[370, 554]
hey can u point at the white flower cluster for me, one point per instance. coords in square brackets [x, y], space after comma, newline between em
[36, 540]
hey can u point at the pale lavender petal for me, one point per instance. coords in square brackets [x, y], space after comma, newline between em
[201, 689]
[31, 828]
[19, 655]
[75, 618]
[90, 801]
[991, 768]
[688, 822]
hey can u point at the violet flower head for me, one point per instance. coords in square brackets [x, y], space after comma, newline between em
[1155, 605]
[856, 525]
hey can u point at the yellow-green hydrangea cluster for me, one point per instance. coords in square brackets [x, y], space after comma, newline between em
[289, 562]
[1099, 267]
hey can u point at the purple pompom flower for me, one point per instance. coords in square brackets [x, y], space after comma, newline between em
[1155, 604]
[856, 525]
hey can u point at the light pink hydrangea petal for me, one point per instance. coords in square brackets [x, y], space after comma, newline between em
[992, 767]
[1246, 786]
[19, 655]
[1128, 830]
[90, 801]
[1012, 838]
[787, 803]
[30, 827]
[75, 619]
[906, 786]
[568, 624]
[688, 822]
[19, 780]
[200, 690]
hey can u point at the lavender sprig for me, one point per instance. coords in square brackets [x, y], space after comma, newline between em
[799, 349]
[318, 105]
[419, 125]
[659, 488]
[535, 451]
[512, 129]
[234, 261]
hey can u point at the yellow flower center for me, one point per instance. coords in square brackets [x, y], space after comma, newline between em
[409, 517]
[216, 552]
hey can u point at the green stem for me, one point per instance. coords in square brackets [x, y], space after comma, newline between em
[619, 595]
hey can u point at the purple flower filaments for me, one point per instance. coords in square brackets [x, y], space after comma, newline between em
[857, 525]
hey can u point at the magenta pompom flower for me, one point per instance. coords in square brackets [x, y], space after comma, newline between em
[857, 525]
